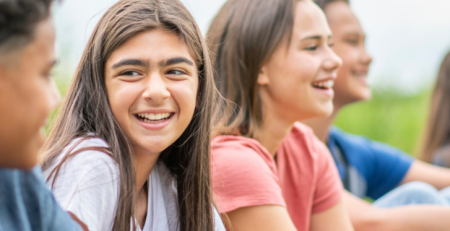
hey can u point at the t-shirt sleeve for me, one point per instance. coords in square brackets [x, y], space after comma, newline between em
[88, 186]
[329, 188]
[241, 178]
[390, 166]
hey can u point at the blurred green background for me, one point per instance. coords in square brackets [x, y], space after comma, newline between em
[388, 117]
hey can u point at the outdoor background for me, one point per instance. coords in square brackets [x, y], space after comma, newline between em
[407, 39]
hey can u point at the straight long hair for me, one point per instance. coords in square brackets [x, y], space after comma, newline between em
[86, 110]
[437, 130]
[243, 36]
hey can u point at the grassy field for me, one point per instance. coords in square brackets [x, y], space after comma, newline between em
[389, 118]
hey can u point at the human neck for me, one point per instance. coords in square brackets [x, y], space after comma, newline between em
[321, 125]
[272, 132]
[143, 166]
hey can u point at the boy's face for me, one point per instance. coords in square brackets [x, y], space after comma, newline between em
[27, 96]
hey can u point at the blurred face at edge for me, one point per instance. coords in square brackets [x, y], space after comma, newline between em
[27, 96]
[348, 39]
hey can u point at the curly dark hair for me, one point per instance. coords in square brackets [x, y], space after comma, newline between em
[18, 20]
[323, 3]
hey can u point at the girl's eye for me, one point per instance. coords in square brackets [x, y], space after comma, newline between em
[311, 48]
[176, 72]
[48, 75]
[130, 73]
[352, 42]
[330, 44]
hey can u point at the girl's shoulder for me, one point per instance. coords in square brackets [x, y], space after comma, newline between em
[229, 148]
[87, 151]
[85, 180]
[85, 159]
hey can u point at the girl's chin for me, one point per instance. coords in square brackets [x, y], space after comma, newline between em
[363, 95]
[320, 111]
[325, 112]
[153, 146]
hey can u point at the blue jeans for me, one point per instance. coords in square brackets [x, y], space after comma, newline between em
[414, 193]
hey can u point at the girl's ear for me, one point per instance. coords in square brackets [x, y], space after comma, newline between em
[263, 78]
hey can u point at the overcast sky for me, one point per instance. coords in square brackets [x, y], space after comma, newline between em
[407, 38]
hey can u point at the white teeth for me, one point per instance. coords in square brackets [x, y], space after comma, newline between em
[324, 84]
[329, 84]
[151, 116]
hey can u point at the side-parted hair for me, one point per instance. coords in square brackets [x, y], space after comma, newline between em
[242, 37]
[323, 3]
[86, 110]
[18, 22]
[437, 130]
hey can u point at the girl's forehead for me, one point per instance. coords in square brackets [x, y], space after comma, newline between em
[153, 46]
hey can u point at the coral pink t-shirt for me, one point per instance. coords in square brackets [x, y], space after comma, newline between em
[304, 179]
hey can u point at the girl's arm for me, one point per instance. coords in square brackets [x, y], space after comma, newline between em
[334, 218]
[261, 218]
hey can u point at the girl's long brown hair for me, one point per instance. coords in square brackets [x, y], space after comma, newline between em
[437, 130]
[243, 36]
[86, 110]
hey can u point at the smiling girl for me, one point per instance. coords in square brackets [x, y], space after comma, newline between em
[278, 68]
[130, 142]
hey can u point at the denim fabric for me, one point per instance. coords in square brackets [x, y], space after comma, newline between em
[414, 193]
[26, 204]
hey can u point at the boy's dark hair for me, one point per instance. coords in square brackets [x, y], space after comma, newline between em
[18, 21]
[323, 3]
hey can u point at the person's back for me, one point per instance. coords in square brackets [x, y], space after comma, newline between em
[27, 95]
[27, 203]
[367, 168]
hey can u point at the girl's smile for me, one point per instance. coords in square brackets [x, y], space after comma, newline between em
[154, 120]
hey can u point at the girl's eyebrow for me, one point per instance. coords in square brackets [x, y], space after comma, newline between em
[144, 63]
[315, 37]
[175, 60]
[133, 62]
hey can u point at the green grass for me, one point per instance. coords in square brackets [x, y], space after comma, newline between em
[393, 119]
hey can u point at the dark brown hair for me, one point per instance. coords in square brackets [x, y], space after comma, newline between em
[243, 36]
[86, 110]
[437, 130]
[18, 21]
[323, 3]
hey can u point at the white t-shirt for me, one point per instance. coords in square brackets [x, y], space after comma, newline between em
[88, 186]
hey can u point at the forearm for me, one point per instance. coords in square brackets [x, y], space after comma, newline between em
[436, 176]
[366, 217]
[407, 218]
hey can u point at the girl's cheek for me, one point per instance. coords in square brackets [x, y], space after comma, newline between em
[185, 95]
